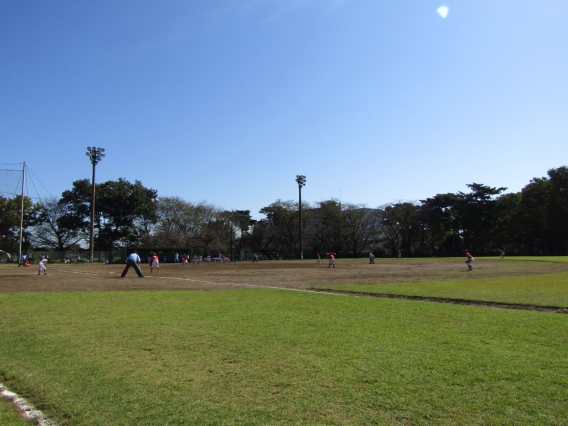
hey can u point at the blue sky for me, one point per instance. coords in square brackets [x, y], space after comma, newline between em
[227, 101]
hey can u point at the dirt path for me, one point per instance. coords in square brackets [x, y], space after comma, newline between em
[237, 275]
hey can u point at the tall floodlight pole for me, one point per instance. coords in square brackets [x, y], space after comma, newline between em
[301, 180]
[95, 154]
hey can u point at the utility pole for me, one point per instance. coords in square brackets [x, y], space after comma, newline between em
[95, 154]
[22, 213]
[232, 236]
[301, 181]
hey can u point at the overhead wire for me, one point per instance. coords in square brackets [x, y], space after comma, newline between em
[36, 191]
[31, 178]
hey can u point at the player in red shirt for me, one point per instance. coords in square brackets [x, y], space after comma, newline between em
[154, 262]
[331, 259]
[469, 259]
[502, 253]
[318, 257]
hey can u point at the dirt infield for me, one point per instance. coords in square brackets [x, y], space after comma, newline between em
[237, 275]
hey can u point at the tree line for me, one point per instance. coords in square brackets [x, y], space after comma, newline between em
[481, 219]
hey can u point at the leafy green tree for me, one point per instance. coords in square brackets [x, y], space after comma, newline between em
[478, 213]
[558, 204]
[327, 229]
[401, 226]
[10, 209]
[123, 207]
[243, 222]
[283, 225]
[215, 234]
[263, 238]
[544, 207]
[508, 228]
[123, 210]
[440, 219]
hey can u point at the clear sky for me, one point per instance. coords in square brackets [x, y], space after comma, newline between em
[226, 101]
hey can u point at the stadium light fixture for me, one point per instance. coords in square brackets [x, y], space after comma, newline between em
[95, 154]
[301, 181]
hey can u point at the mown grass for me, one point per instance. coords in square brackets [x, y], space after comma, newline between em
[541, 290]
[10, 417]
[276, 357]
[562, 259]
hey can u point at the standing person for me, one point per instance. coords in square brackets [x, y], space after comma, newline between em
[41, 265]
[331, 260]
[502, 253]
[469, 259]
[176, 257]
[154, 263]
[133, 260]
[371, 258]
[318, 260]
[255, 258]
[223, 258]
[184, 259]
[399, 253]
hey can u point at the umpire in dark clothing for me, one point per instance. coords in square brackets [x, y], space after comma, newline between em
[133, 260]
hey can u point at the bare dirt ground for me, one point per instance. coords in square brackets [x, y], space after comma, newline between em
[237, 275]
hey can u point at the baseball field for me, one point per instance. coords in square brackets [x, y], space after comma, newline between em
[398, 342]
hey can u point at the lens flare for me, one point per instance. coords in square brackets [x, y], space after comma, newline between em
[443, 11]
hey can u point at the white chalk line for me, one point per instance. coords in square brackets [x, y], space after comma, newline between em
[74, 272]
[26, 407]
[251, 286]
[214, 283]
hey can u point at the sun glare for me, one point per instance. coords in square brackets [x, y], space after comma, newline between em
[443, 11]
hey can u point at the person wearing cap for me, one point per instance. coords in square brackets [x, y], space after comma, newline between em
[469, 259]
[133, 260]
[154, 263]
[331, 260]
[41, 265]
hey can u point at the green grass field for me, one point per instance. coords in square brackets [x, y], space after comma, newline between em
[562, 259]
[9, 416]
[546, 290]
[277, 357]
